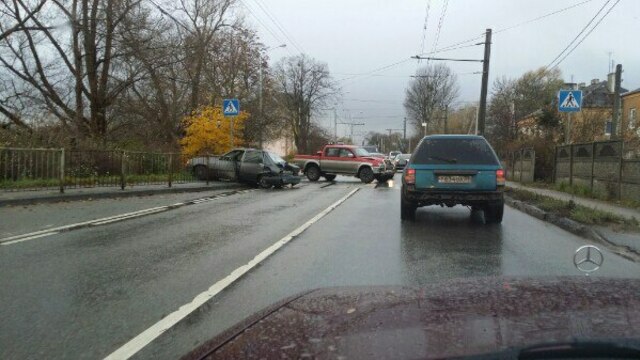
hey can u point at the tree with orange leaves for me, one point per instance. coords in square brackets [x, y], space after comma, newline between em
[208, 131]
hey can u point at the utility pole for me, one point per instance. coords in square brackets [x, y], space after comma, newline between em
[335, 125]
[485, 83]
[616, 104]
[261, 125]
[446, 118]
[390, 130]
[351, 125]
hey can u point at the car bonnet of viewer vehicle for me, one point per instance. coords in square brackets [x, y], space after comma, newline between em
[496, 317]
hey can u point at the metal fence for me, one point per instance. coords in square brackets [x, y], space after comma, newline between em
[36, 169]
[600, 167]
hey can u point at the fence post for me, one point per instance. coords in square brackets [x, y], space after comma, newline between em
[170, 168]
[62, 170]
[620, 170]
[593, 163]
[571, 164]
[122, 170]
[521, 157]
[207, 171]
[554, 173]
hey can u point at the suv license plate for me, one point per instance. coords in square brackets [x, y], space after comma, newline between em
[456, 179]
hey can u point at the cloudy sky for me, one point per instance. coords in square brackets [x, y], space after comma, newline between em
[356, 37]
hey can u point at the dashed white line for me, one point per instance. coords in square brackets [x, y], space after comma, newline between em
[110, 219]
[29, 238]
[146, 337]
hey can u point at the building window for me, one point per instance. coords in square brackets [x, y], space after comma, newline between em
[607, 128]
[632, 118]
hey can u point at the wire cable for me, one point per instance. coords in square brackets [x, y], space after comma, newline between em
[586, 35]
[424, 27]
[279, 25]
[579, 34]
[541, 17]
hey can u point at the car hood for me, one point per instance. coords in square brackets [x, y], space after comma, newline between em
[456, 318]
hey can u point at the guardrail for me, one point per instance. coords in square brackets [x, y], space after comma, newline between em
[41, 169]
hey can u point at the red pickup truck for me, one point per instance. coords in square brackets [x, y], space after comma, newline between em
[344, 160]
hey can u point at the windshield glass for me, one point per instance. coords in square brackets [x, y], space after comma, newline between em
[455, 151]
[276, 158]
[361, 152]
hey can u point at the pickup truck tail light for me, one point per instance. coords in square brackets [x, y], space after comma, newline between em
[410, 176]
[500, 177]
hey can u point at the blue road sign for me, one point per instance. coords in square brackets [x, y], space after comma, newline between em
[569, 100]
[231, 107]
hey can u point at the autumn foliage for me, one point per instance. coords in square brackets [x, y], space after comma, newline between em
[208, 131]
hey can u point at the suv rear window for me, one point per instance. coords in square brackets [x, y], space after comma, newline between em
[455, 151]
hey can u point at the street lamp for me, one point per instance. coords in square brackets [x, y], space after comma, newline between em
[260, 107]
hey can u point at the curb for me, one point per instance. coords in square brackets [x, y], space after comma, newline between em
[114, 194]
[573, 227]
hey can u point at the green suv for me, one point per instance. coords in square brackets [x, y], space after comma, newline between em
[453, 170]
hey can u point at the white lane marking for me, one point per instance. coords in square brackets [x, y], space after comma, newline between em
[146, 337]
[29, 238]
[129, 217]
[107, 220]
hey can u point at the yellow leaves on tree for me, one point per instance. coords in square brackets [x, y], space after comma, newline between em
[208, 131]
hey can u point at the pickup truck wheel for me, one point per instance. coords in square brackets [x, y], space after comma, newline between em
[330, 177]
[200, 172]
[407, 210]
[313, 173]
[493, 212]
[366, 175]
[262, 182]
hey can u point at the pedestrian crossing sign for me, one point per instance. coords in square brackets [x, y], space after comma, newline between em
[230, 107]
[569, 100]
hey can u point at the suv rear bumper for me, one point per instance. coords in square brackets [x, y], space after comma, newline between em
[471, 198]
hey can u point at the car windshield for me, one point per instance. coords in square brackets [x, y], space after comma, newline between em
[455, 151]
[170, 168]
[276, 158]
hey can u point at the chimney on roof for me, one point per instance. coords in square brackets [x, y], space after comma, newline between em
[595, 81]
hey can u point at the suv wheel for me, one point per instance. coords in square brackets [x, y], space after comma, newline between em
[366, 175]
[407, 210]
[493, 212]
[313, 173]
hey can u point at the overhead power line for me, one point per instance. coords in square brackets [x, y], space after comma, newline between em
[424, 27]
[440, 23]
[279, 25]
[541, 17]
[267, 28]
[586, 35]
[579, 34]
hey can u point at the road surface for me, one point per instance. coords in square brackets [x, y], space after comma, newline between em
[156, 285]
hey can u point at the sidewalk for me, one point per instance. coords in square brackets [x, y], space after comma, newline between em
[591, 203]
[54, 195]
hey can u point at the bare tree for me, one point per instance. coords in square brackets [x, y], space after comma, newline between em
[305, 86]
[434, 88]
[68, 59]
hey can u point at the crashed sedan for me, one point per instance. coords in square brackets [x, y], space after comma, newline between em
[259, 167]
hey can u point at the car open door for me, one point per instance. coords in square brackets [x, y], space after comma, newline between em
[252, 165]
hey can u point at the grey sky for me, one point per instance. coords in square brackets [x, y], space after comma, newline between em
[357, 36]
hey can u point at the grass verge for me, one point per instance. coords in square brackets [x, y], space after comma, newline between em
[573, 211]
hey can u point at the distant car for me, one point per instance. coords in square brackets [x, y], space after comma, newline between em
[371, 148]
[393, 154]
[400, 161]
[453, 170]
[253, 166]
[377, 155]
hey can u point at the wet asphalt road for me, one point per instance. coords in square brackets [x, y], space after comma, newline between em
[85, 293]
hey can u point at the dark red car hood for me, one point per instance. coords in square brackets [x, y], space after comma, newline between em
[456, 318]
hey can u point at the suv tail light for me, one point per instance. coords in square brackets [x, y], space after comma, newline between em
[500, 177]
[410, 176]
